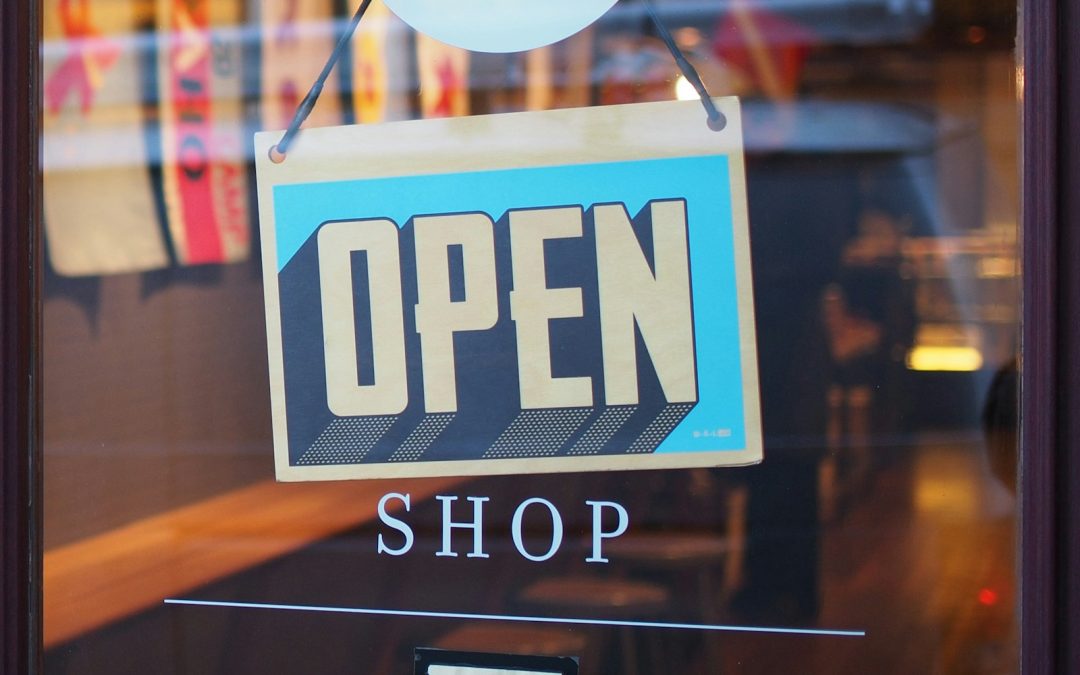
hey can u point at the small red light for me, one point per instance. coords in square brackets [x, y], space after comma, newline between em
[988, 596]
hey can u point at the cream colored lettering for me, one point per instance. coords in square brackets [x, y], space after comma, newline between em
[658, 304]
[404, 530]
[633, 297]
[437, 317]
[379, 239]
[533, 305]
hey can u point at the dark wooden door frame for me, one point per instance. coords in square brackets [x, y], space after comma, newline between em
[1050, 429]
[1050, 379]
[20, 524]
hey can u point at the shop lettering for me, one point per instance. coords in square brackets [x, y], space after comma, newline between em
[635, 295]
[406, 537]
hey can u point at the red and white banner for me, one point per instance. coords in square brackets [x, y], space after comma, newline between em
[202, 130]
[444, 78]
[380, 67]
[98, 198]
[297, 38]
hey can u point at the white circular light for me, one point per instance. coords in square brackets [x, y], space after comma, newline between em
[684, 91]
[499, 25]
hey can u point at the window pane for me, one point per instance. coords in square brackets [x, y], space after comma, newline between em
[878, 534]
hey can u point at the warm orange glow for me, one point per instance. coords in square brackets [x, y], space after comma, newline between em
[945, 359]
[988, 597]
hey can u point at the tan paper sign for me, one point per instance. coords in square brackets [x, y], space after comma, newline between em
[550, 291]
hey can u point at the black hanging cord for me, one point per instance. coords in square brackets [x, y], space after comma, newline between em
[716, 120]
[277, 153]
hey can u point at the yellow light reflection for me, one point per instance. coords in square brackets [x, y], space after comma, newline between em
[684, 91]
[945, 359]
[997, 268]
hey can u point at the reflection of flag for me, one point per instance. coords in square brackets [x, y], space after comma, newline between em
[444, 78]
[202, 131]
[380, 67]
[98, 199]
[768, 48]
[297, 38]
[89, 56]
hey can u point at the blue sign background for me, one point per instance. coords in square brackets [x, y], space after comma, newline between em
[717, 422]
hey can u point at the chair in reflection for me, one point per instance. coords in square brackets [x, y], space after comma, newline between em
[708, 564]
[610, 599]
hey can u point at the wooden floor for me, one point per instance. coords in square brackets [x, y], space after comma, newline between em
[924, 563]
[108, 577]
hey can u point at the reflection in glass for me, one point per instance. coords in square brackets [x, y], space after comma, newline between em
[882, 162]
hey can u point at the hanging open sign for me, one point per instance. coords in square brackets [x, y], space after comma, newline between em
[558, 291]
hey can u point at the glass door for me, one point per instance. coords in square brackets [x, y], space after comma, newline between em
[878, 534]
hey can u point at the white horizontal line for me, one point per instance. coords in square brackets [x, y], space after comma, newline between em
[528, 619]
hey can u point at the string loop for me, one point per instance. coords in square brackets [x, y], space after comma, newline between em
[716, 119]
[279, 151]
